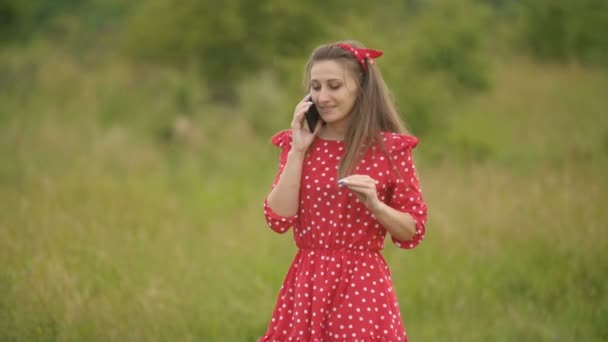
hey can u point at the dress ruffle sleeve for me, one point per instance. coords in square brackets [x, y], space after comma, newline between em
[276, 222]
[406, 195]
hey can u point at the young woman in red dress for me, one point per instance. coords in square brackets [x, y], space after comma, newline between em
[343, 185]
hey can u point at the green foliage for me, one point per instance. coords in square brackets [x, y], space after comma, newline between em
[435, 58]
[227, 40]
[448, 37]
[21, 19]
[566, 30]
[76, 24]
[8, 19]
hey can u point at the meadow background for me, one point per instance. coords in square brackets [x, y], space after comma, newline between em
[135, 156]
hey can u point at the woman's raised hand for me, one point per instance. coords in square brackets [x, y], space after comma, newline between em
[301, 135]
[364, 188]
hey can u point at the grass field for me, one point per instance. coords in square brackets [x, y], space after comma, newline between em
[117, 224]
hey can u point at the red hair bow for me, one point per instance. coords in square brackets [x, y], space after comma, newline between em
[361, 54]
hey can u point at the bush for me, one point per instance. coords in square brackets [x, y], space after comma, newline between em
[437, 58]
[565, 30]
[227, 40]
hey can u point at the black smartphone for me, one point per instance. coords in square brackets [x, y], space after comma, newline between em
[312, 116]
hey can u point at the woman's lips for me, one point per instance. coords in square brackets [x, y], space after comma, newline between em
[326, 110]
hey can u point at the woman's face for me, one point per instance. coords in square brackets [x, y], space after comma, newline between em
[334, 90]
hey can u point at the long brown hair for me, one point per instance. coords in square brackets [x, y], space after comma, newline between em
[374, 110]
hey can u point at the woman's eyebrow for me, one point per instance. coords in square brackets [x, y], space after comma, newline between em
[328, 80]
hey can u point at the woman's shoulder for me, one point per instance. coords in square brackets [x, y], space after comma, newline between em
[282, 139]
[395, 142]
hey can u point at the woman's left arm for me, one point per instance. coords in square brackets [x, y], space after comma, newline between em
[400, 225]
[404, 214]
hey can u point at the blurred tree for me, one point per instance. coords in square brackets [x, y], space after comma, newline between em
[8, 19]
[82, 19]
[21, 19]
[566, 30]
[448, 39]
[437, 58]
[225, 40]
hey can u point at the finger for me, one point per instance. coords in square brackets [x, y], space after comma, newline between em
[306, 98]
[301, 110]
[358, 176]
[359, 179]
[363, 188]
[305, 102]
[351, 184]
[368, 189]
[302, 104]
[298, 117]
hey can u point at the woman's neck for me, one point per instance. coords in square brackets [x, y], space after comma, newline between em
[333, 131]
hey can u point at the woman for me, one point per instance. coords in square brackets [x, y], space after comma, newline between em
[342, 187]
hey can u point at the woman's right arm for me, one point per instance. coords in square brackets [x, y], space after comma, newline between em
[284, 197]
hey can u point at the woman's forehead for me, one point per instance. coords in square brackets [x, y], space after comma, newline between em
[328, 70]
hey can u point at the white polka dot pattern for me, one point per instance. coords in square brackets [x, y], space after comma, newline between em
[338, 287]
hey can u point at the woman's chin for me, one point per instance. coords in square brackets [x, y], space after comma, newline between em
[328, 117]
[333, 118]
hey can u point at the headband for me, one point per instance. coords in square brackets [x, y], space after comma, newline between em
[361, 54]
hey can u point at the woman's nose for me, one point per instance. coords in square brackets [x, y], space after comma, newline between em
[323, 96]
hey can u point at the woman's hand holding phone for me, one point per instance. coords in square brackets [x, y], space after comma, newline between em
[302, 135]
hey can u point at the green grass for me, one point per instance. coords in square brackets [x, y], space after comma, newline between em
[131, 212]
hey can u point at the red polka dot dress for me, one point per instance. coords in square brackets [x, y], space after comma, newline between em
[339, 287]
